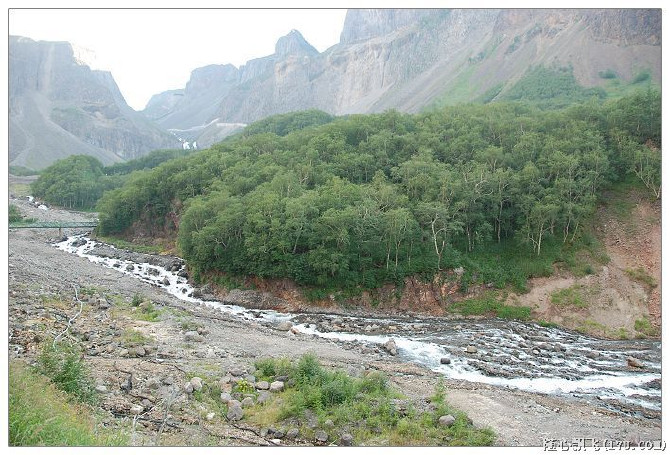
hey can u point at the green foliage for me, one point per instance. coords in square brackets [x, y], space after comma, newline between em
[573, 296]
[74, 182]
[642, 76]
[365, 405]
[125, 245]
[14, 214]
[283, 124]
[22, 171]
[148, 161]
[641, 275]
[40, 415]
[503, 190]
[607, 74]
[551, 87]
[645, 328]
[490, 304]
[63, 365]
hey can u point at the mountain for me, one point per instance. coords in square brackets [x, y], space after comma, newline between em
[409, 59]
[58, 107]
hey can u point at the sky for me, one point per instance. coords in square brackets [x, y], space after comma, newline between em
[149, 51]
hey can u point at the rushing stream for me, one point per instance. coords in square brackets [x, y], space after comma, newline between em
[508, 353]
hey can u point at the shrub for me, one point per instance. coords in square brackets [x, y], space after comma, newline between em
[63, 364]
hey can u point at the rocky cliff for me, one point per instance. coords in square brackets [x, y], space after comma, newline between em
[59, 107]
[410, 59]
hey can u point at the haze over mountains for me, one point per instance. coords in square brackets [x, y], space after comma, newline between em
[402, 59]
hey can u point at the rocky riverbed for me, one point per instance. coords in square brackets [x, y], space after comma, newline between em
[190, 339]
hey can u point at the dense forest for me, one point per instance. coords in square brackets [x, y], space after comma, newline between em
[357, 201]
[78, 181]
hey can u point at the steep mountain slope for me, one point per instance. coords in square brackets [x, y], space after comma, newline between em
[59, 107]
[410, 59]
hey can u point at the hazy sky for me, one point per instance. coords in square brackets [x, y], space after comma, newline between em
[150, 51]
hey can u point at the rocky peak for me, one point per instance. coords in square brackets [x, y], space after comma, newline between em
[362, 24]
[207, 76]
[294, 44]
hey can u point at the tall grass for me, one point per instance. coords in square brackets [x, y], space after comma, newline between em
[41, 415]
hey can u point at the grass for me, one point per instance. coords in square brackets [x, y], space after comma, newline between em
[41, 415]
[366, 407]
[132, 337]
[640, 275]
[645, 329]
[125, 245]
[573, 296]
[490, 303]
[64, 366]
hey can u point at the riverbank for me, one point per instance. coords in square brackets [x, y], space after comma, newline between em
[41, 280]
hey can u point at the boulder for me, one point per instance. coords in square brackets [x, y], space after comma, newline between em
[447, 420]
[226, 397]
[633, 362]
[166, 281]
[277, 386]
[235, 411]
[192, 335]
[263, 396]
[188, 387]
[196, 382]
[445, 360]
[346, 440]
[321, 436]
[284, 326]
[247, 402]
[262, 385]
[471, 350]
[292, 433]
[136, 409]
[237, 372]
[391, 347]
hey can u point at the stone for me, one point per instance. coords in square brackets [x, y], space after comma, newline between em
[329, 424]
[445, 360]
[235, 412]
[284, 326]
[137, 351]
[346, 440]
[250, 378]
[262, 385]
[277, 386]
[166, 281]
[192, 335]
[292, 433]
[247, 402]
[188, 387]
[152, 383]
[321, 436]
[471, 349]
[237, 372]
[130, 267]
[391, 347]
[263, 396]
[210, 416]
[101, 388]
[136, 409]
[633, 362]
[196, 382]
[446, 421]
[279, 434]
[226, 397]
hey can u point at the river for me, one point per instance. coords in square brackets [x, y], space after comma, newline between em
[504, 353]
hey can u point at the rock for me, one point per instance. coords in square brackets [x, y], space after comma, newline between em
[235, 411]
[262, 385]
[226, 397]
[633, 362]
[123, 352]
[152, 383]
[535, 352]
[137, 351]
[136, 409]
[237, 372]
[329, 424]
[346, 440]
[250, 378]
[446, 421]
[391, 347]
[445, 360]
[292, 433]
[130, 267]
[210, 416]
[279, 434]
[277, 386]
[101, 389]
[321, 436]
[247, 402]
[188, 387]
[192, 335]
[471, 349]
[263, 396]
[166, 281]
[196, 382]
[284, 326]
